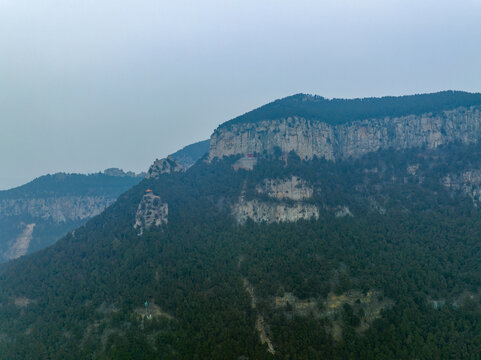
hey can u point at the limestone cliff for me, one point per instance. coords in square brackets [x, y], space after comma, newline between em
[259, 211]
[309, 138]
[293, 189]
[59, 209]
[151, 211]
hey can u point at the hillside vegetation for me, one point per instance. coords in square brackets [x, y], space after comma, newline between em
[340, 111]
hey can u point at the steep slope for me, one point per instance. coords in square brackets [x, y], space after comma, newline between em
[35, 215]
[386, 264]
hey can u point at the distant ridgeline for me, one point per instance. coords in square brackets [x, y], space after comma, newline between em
[341, 111]
[36, 214]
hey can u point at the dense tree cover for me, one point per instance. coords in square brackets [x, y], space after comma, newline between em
[339, 111]
[87, 291]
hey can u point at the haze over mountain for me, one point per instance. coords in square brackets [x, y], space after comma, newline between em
[87, 85]
[353, 235]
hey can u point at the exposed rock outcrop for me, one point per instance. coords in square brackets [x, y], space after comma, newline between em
[59, 209]
[164, 166]
[150, 212]
[310, 138]
[259, 211]
[343, 211]
[469, 182]
[412, 169]
[293, 188]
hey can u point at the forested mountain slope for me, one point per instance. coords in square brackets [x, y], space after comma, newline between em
[341, 111]
[262, 256]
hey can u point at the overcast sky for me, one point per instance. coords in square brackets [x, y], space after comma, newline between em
[86, 85]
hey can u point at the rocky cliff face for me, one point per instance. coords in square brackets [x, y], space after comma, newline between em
[58, 209]
[293, 189]
[151, 211]
[259, 211]
[309, 138]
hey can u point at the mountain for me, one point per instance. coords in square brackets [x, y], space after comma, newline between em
[269, 248]
[35, 215]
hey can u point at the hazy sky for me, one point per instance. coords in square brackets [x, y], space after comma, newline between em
[86, 85]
